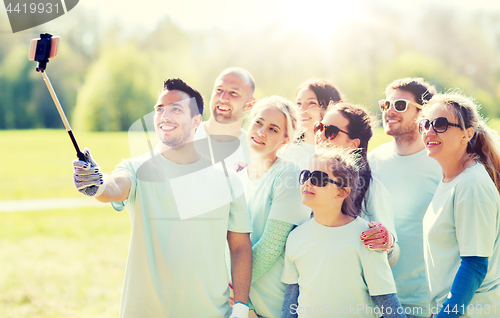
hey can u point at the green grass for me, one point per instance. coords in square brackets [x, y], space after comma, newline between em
[36, 164]
[62, 263]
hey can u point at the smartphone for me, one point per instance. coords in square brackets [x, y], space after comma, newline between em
[39, 48]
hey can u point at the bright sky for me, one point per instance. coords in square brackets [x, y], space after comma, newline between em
[245, 15]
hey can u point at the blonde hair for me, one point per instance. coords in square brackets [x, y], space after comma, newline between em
[484, 146]
[286, 106]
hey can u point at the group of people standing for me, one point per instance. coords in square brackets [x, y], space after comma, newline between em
[312, 224]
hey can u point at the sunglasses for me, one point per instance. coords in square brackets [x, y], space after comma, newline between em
[439, 124]
[400, 105]
[331, 131]
[318, 178]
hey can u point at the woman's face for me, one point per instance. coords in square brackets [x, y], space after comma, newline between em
[335, 118]
[308, 109]
[445, 145]
[267, 131]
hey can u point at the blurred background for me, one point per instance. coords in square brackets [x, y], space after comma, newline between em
[114, 55]
[62, 255]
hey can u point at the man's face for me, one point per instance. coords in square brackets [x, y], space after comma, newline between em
[173, 123]
[398, 124]
[230, 94]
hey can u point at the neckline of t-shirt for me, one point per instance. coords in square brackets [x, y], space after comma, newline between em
[241, 137]
[275, 164]
[175, 164]
[334, 229]
[417, 154]
[466, 171]
[304, 145]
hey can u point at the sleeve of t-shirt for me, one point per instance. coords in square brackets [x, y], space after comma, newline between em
[126, 168]
[377, 272]
[475, 219]
[239, 218]
[286, 203]
[289, 274]
[379, 206]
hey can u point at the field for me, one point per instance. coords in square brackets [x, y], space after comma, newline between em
[37, 163]
[59, 263]
[63, 263]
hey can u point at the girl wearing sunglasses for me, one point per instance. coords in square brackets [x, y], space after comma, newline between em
[348, 126]
[462, 223]
[326, 265]
[312, 99]
[273, 199]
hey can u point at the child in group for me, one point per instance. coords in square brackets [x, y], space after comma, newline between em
[328, 271]
[349, 126]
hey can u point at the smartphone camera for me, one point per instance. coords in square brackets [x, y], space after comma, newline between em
[43, 49]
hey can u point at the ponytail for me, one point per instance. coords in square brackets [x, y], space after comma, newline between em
[485, 147]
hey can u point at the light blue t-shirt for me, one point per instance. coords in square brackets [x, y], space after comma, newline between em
[411, 181]
[275, 195]
[176, 261]
[336, 273]
[463, 219]
[233, 152]
[300, 154]
[378, 206]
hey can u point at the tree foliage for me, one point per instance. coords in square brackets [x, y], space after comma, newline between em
[114, 78]
[116, 91]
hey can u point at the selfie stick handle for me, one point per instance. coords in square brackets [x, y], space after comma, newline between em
[63, 116]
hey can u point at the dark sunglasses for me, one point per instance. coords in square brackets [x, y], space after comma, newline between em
[318, 178]
[400, 105]
[331, 131]
[439, 124]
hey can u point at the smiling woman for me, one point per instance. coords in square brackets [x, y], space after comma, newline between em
[312, 99]
[273, 199]
[462, 224]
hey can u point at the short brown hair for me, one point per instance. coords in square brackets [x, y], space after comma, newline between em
[422, 90]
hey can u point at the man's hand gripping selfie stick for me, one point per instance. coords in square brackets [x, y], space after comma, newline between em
[41, 50]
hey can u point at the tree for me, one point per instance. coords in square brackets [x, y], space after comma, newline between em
[117, 90]
[17, 107]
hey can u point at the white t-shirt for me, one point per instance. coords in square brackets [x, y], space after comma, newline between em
[275, 195]
[463, 219]
[232, 151]
[336, 273]
[411, 181]
[176, 265]
[300, 154]
[378, 206]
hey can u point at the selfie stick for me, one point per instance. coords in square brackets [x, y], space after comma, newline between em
[63, 116]
[42, 57]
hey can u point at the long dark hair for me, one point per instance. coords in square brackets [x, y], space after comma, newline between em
[359, 127]
[325, 92]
